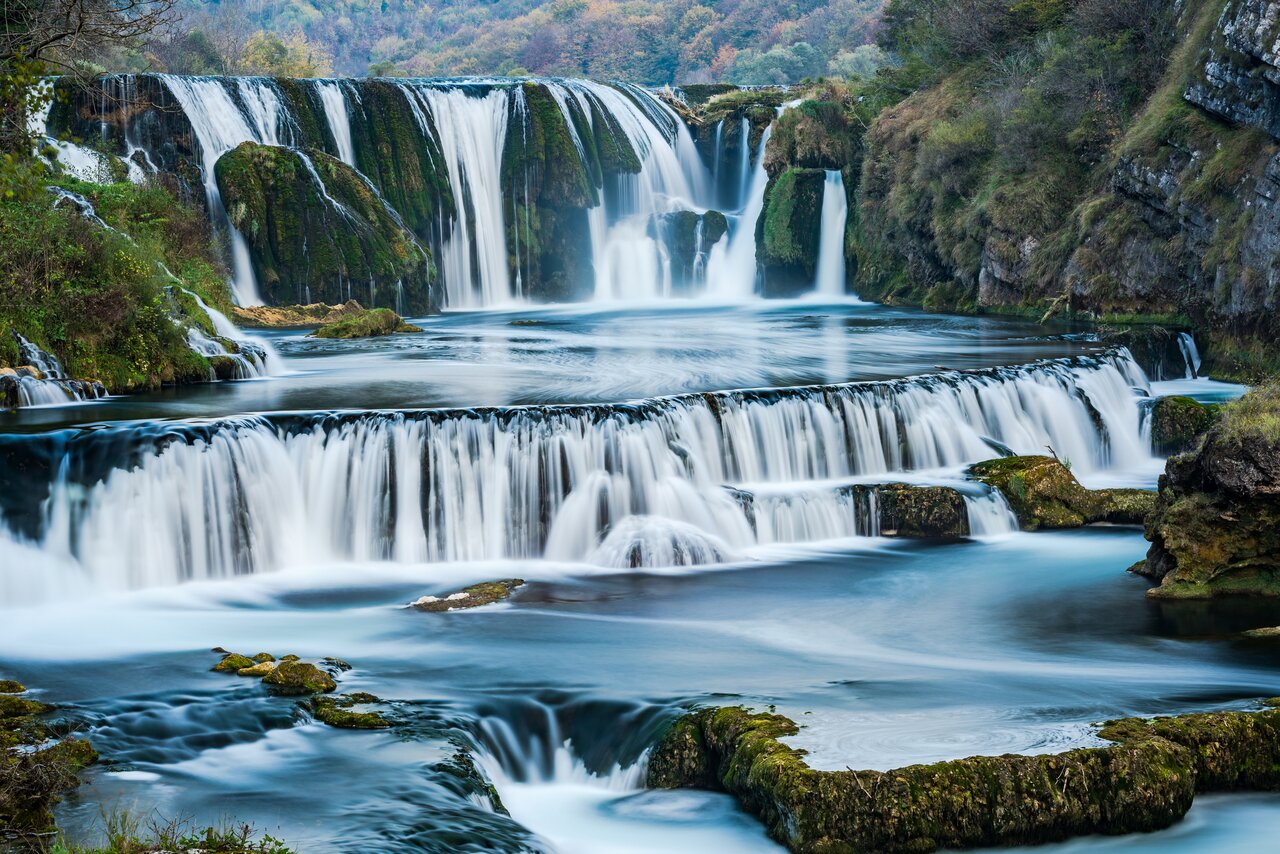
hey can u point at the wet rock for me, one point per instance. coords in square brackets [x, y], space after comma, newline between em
[259, 670]
[299, 677]
[233, 662]
[1215, 529]
[923, 512]
[34, 773]
[1145, 781]
[1044, 494]
[337, 712]
[474, 596]
[371, 323]
[264, 657]
[467, 780]
[1177, 423]
[294, 316]
[1269, 633]
[10, 686]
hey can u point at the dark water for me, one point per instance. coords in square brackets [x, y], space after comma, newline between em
[885, 653]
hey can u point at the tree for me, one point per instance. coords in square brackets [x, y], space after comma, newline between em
[63, 35]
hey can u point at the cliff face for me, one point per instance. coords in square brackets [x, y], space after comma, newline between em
[1154, 195]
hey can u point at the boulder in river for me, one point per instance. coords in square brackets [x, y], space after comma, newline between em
[371, 323]
[485, 593]
[1178, 422]
[1215, 529]
[299, 678]
[1044, 494]
[921, 512]
[1145, 781]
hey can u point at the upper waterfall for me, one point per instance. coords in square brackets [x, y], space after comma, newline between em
[543, 190]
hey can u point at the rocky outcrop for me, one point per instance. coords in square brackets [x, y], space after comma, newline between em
[474, 596]
[1044, 494]
[1215, 529]
[921, 512]
[316, 229]
[369, 323]
[791, 228]
[1145, 781]
[1240, 77]
[1177, 423]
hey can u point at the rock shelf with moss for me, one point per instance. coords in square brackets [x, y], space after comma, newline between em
[340, 711]
[289, 675]
[370, 323]
[1044, 494]
[1145, 781]
[1215, 529]
[474, 596]
[38, 764]
[1178, 422]
[294, 316]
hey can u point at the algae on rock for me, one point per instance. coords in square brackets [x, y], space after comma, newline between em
[1044, 494]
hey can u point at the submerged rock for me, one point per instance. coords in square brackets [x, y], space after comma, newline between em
[1145, 781]
[1044, 494]
[370, 323]
[474, 596]
[1178, 422]
[337, 712]
[1215, 529]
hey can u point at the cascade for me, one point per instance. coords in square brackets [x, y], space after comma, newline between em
[830, 281]
[734, 276]
[1190, 354]
[51, 388]
[333, 97]
[624, 485]
[220, 124]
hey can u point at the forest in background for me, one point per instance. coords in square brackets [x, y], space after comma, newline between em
[652, 42]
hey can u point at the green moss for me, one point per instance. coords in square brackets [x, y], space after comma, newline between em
[921, 512]
[10, 686]
[1044, 494]
[321, 232]
[233, 663]
[368, 324]
[1178, 422]
[1146, 781]
[298, 677]
[337, 712]
[474, 596]
[34, 773]
[792, 226]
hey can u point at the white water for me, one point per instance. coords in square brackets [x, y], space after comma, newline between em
[53, 387]
[617, 486]
[1190, 354]
[830, 280]
[220, 125]
[337, 113]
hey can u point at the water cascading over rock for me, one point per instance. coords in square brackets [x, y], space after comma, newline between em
[546, 190]
[666, 481]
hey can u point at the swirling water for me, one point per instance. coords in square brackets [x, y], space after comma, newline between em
[137, 553]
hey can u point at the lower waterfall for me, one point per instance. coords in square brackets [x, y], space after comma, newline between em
[649, 483]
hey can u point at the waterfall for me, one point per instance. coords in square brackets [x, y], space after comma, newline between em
[220, 124]
[1190, 354]
[830, 281]
[624, 485]
[333, 98]
[471, 130]
[734, 276]
[254, 356]
[45, 384]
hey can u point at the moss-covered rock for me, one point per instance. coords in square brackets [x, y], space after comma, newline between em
[474, 596]
[370, 323]
[813, 135]
[316, 229]
[689, 238]
[1146, 781]
[464, 777]
[233, 662]
[298, 678]
[295, 316]
[34, 772]
[12, 686]
[1177, 423]
[921, 512]
[791, 227]
[338, 712]
[1216, 527]
[1044, 494]
[258, 670]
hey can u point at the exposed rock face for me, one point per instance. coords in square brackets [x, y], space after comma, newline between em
[1146, 781]
[317, 230]
[1241, 75]
[921, 512]
[1044, 494]
[1215, 529]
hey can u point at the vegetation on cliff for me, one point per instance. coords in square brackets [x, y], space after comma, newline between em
[1145, 781]
[100, 299]
[317, 230]
[1215, 529]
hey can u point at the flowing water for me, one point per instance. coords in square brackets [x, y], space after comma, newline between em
[688, 485]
